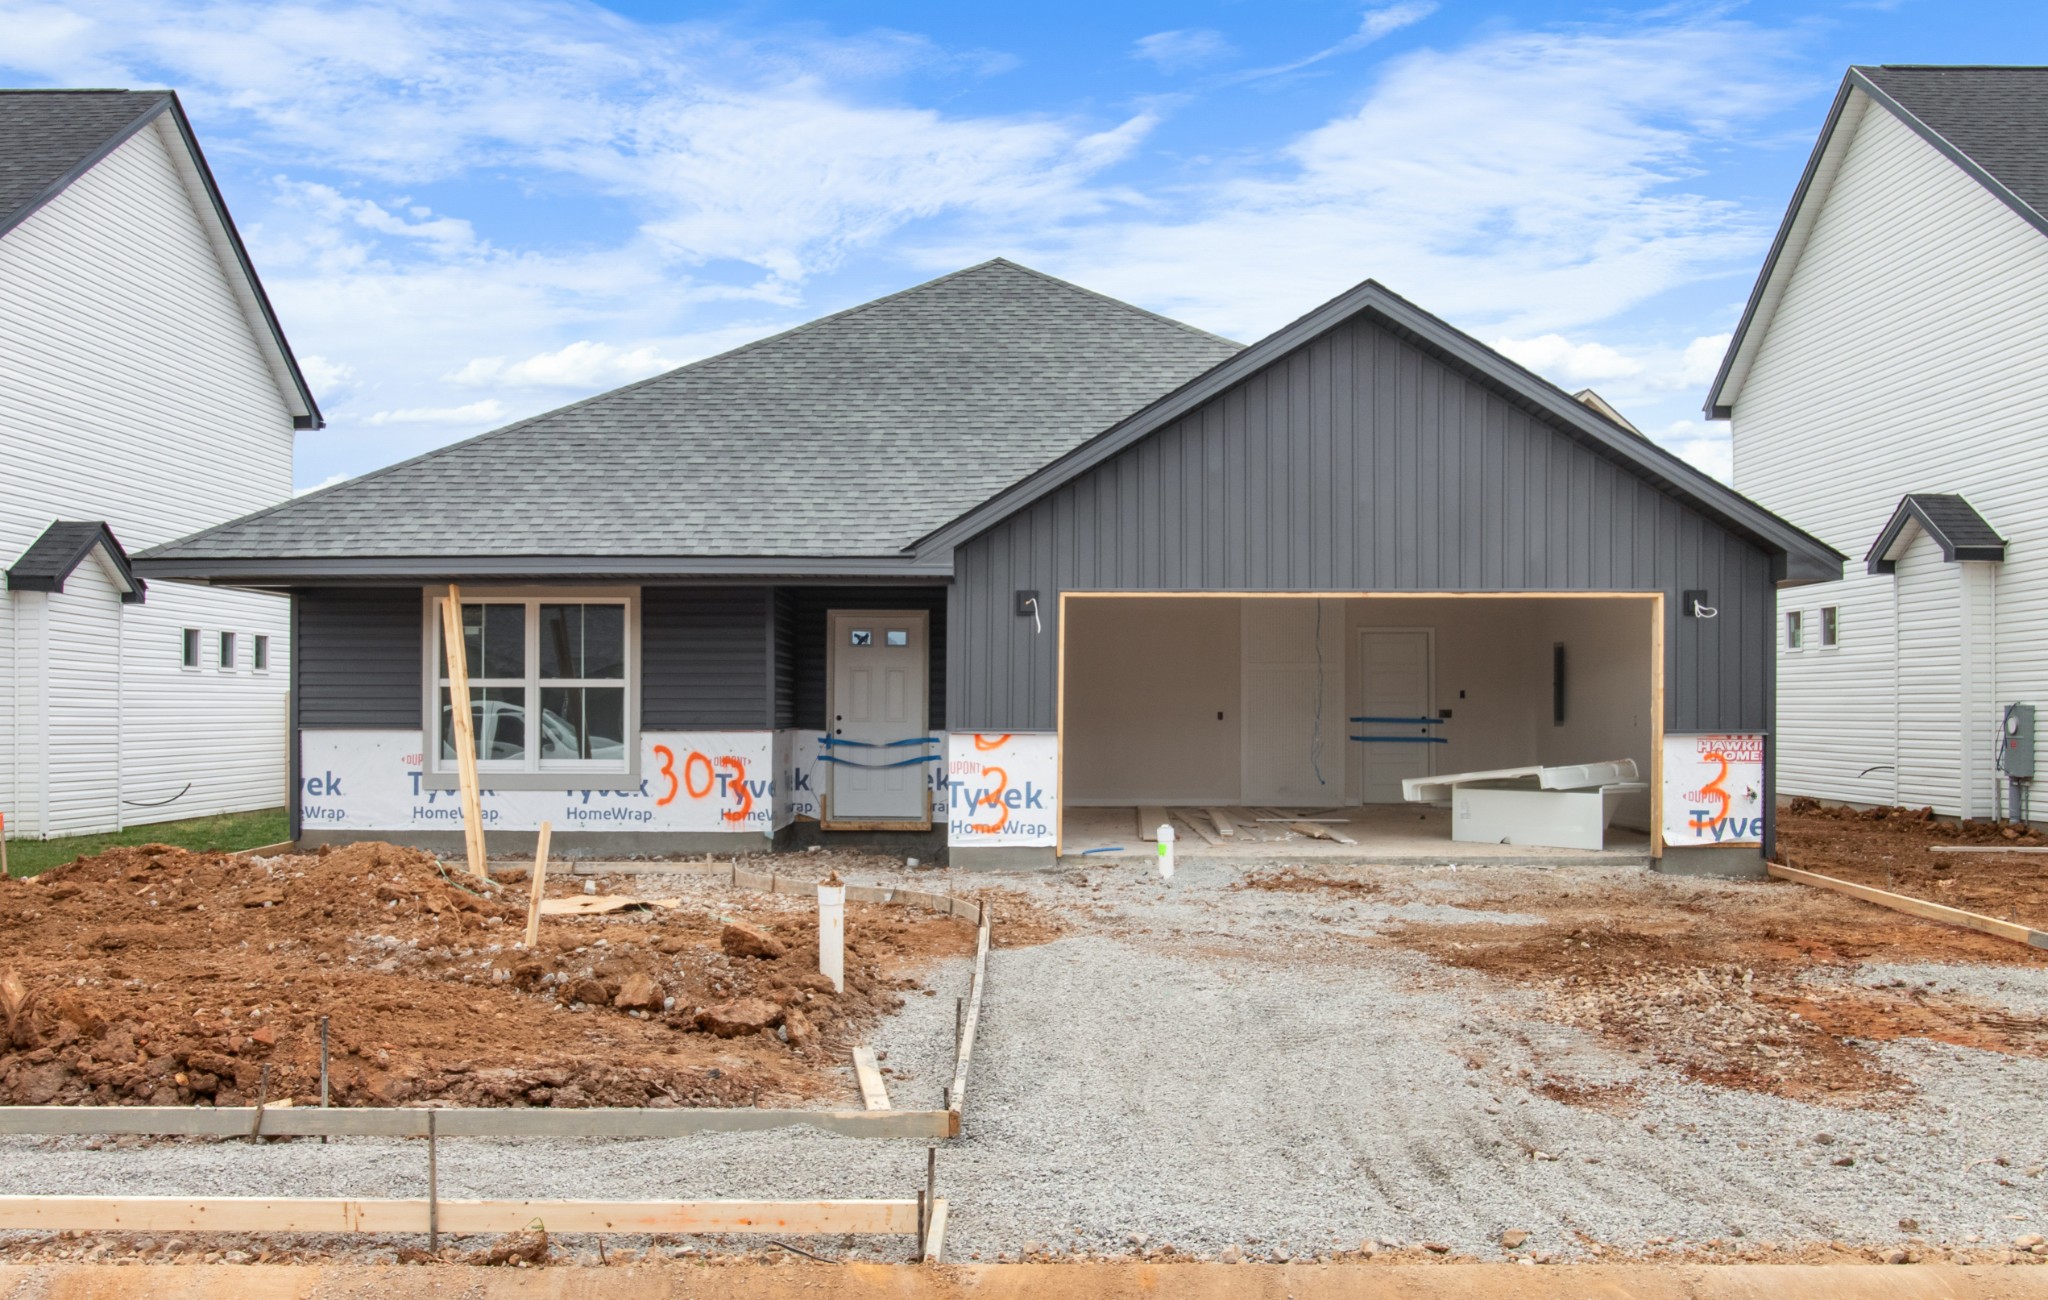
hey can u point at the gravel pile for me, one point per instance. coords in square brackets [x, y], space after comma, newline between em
[1210, 1066]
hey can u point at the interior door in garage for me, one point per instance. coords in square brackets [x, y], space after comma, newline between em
[1397, 700]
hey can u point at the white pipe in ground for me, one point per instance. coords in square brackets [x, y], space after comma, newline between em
[832, 934]
[1165, 835]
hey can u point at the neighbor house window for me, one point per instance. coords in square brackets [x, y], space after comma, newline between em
[1830, 625]
[227, 649]
[1795, 632]
[190, 648]
[549, 683]
[259, 653]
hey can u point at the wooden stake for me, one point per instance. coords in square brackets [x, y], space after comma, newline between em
[4, 873]
[540, 880]
[456, 652]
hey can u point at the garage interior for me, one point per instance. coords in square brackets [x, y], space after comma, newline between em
[1269, 715]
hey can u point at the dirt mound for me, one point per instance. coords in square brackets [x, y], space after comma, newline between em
[149, 974]
[1743, 986]
[1288, 880]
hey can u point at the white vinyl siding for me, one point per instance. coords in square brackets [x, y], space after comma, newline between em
[84, 710]
[1907, 353]
[133, 390]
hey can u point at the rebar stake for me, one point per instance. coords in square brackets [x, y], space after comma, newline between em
[433, 1189]
[323, 1071]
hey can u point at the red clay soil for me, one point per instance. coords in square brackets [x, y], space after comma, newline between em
[153, 975]
[1892, 848]
[1742, 986]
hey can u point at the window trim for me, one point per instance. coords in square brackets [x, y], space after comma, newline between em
[589, 774]
[1795, 629]
[188, 649]
[229, 651]
[1830, 627]
[259, 652]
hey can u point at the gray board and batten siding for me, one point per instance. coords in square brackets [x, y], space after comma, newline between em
[1361, 461]
[711, 658]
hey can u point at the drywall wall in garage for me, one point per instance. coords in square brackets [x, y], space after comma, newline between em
[1607, 687]
[1484, 650]
[1145, 681]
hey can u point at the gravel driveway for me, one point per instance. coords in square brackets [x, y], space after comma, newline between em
[1211, 1066]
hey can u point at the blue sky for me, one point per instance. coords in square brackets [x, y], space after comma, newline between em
[467, 213]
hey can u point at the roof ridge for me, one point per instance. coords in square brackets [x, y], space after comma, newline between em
[1114, 302]
[750, 346]
[1957, 67]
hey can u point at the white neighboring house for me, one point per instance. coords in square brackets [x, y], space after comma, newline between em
[146, 392]
[1888, 388]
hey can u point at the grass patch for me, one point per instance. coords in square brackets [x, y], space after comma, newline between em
[226, 833]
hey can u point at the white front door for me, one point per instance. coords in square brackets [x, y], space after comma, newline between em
[878, 738]
[1396, 709]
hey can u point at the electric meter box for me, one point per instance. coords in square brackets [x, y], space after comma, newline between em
[2019, 742]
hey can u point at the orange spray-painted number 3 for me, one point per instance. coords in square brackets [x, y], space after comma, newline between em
[996, 799]
[1714, 789]
[668, 769]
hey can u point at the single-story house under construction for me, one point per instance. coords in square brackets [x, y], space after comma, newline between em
[972, 565]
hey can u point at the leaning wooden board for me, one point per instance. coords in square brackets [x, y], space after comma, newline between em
[1915, 906]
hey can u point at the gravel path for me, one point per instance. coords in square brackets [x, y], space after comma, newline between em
[1206, 1066]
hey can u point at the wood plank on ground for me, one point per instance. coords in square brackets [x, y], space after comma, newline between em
[1199, 824]
[873, 1092]
[956, 1097]
[1149, 817]
[1919, 907]
[345, 1214]
[1222, 821]
[1984, 848]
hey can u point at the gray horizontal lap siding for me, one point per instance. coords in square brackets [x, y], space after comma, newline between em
[356, 660]
[1358, 463]
[706, 658]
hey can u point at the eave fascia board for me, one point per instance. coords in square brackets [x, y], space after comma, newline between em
[1790, 239]
[1559, 407]
[325, 571]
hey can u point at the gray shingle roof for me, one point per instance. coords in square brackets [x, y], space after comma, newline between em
[1995, 117]
[1952, 522]
[851, 436]
[50, 559]
[48, 136]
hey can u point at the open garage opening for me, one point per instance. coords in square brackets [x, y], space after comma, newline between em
[1237, 716]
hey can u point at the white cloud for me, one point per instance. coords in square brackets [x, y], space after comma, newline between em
[1181, 49]
[1377, 22]
[584, 364]
[326, 377]
[488, 411]
[1526, 183]
[1559, 359]
[327, 482]
[1702, 360]
[1707, 446]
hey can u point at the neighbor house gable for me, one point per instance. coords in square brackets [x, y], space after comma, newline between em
[1991, 123]
[50, 139]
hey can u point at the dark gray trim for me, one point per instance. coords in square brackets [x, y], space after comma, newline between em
[1962, 521]
[1806, 558]
[52, 558]
[9, 221]
[410, 570]
[1854, 79]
